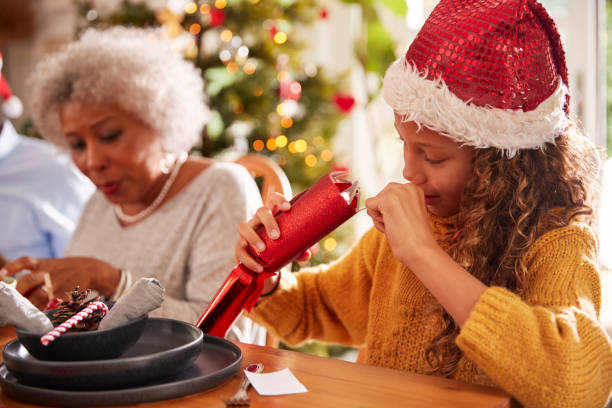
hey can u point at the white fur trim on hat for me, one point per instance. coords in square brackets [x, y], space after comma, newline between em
[431, 104]
[12, 107]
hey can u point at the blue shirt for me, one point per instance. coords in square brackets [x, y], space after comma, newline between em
[42, 194]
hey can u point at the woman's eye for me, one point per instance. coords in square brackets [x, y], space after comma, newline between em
[76, 145]
[111, 136]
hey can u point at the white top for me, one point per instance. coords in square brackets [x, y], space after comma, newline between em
[187, 243]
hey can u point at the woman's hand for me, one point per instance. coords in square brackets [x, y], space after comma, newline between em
[400, 213]
[65, 274]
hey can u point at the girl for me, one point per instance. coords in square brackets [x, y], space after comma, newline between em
[483, 266]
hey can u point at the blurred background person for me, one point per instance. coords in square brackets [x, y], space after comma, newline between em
[129, 109]
[41, 192]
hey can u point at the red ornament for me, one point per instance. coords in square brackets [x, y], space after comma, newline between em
[53, 304]
[344, 102]
[273, 30]
[217, 17]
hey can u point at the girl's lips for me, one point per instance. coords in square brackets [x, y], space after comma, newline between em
[109, 188]
[431, 199]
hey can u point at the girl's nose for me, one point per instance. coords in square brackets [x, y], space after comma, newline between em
[413, 172]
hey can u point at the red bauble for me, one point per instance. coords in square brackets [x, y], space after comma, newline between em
[217, 17]
[344, 102]
[273, 30]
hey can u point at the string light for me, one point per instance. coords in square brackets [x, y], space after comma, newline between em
[311, 160]
[225, 55]
[281, 141]
[191, 7]
[243, 51]
[226, 35]
[327, 155]
[220, 4]
[329, 244]
[232, 67]
[258, 145]
[271, 144]
[292, 148]
[195, 28]
[205, 8]
[258, 91]
[249, 68]
[301, 145]
[280, 38]
[286, 122]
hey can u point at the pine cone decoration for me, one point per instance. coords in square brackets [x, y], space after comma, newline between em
[77, 301]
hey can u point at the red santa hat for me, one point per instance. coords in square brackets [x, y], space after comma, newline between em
[11, 105]
[487, 73]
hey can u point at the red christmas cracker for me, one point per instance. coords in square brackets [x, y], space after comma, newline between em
[314, 213]
[71, 322]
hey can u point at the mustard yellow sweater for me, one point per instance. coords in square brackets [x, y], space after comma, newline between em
[546, 349]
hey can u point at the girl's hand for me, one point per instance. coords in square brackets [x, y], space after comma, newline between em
[248, 237]
[65, 274]
[400, 213]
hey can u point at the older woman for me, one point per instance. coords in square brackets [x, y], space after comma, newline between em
[129, 109]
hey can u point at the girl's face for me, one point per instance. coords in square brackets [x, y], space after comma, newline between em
[437, 164]
[120, 154]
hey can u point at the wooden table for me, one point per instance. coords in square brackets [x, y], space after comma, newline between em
[330, 383]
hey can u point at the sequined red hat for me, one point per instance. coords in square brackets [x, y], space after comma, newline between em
[11, 105]
[487, 73]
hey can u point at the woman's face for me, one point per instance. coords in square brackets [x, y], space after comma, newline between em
[437, 164]
[120, 154]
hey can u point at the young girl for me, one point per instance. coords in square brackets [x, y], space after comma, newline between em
[483, 266]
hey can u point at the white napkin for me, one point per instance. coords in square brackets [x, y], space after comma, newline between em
[145, 295]
[19, 311]
[277, 383]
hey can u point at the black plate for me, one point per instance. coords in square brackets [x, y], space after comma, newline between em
[218, 361]
[166, 347]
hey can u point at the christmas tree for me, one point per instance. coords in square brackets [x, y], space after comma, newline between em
[264, 97]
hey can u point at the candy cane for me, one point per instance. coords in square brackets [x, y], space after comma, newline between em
[71, 322]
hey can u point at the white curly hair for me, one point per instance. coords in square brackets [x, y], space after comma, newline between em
[131, 67]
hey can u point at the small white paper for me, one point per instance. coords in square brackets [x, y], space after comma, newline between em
[278, 383]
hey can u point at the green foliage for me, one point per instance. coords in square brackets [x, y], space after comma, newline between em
[376, 49]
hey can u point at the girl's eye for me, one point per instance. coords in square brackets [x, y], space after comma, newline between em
[432, 161]
[111, 136]
[76, 145]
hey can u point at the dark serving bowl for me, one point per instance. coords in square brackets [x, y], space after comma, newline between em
[79, 346]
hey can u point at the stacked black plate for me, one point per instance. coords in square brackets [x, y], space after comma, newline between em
[171, 359]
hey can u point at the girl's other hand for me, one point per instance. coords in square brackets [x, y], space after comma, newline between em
[249, 238]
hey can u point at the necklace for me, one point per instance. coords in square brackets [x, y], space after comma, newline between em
[162, 194]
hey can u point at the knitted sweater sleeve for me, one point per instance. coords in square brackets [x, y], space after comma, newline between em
[324, 303]
[547, 348]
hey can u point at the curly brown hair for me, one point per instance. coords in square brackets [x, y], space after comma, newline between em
[514, 201]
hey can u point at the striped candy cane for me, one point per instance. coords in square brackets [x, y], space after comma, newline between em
[71, 322]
